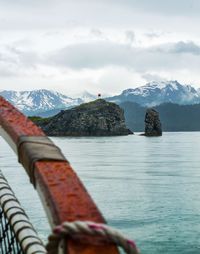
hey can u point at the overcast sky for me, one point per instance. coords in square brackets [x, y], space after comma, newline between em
[98, 45]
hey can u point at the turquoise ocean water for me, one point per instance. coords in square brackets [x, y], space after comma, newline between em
[146, 187]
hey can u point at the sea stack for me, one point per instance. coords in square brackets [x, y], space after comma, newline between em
[96, 118]
[153, 125]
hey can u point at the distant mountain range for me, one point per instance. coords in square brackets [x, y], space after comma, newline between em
[47, 103]
[173, 117]
[43, 102]
[156, 93]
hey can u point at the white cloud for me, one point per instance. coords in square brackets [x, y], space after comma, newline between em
[106, 45]
[130, 35]
[99, 54]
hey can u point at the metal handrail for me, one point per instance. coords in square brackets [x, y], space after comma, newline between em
[63, 195]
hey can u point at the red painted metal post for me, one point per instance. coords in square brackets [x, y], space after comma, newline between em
[63, 195]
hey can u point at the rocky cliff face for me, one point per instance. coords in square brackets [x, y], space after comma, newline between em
[97, 118]
[152, 123]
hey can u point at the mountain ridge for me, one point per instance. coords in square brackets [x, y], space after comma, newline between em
[174, 117]
[155, 93]
[46, 103]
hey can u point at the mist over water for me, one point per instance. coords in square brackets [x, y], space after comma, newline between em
[146, 187]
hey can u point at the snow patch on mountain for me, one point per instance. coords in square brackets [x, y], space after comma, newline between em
[39, 100]
[155, 93]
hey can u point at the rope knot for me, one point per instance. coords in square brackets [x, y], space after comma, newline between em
[88, 228]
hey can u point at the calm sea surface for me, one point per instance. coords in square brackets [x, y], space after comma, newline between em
[149, 188]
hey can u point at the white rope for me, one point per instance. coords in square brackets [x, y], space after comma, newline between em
[82, 228]
[25, 234]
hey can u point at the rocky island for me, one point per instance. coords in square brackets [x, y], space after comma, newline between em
[96, 118]
[152, 123]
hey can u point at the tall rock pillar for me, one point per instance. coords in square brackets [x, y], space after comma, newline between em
[153, 125]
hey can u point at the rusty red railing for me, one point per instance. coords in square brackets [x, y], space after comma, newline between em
[63, 195]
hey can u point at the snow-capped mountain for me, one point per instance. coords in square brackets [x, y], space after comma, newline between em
[46, 103]
[86, 97]
[39, 100]
[155, 93]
